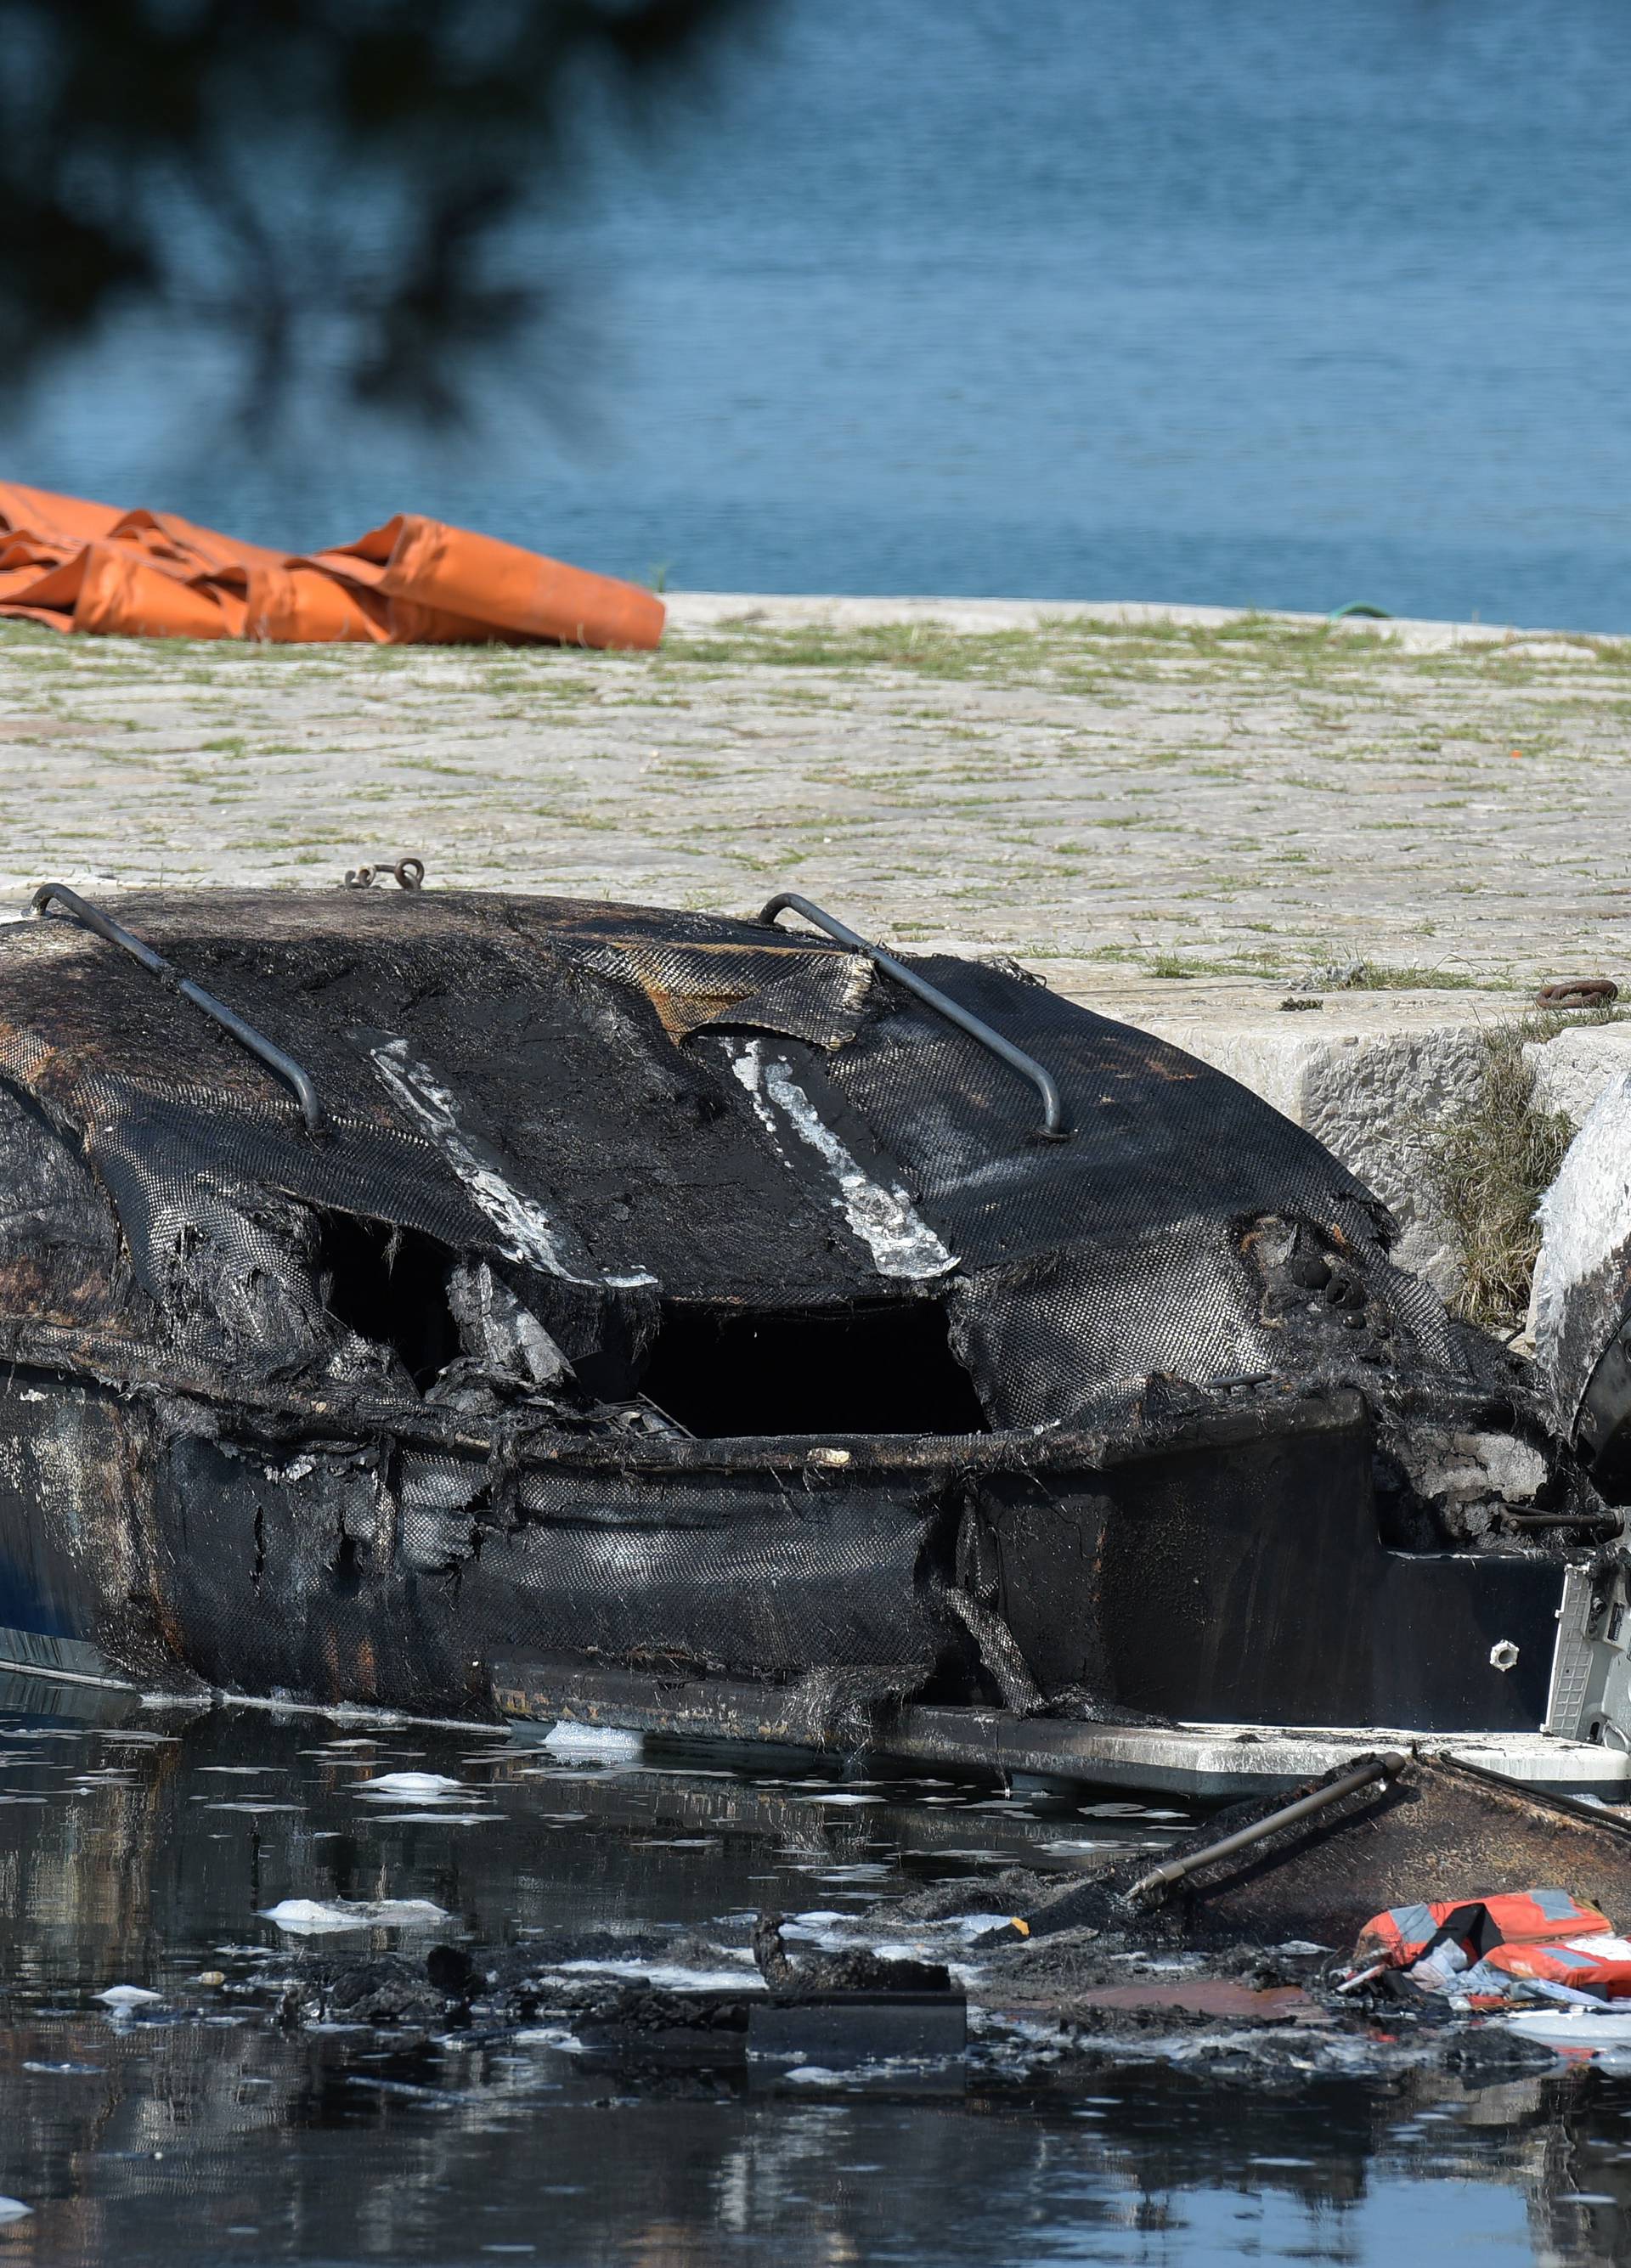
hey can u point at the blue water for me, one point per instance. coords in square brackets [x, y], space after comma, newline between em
[1279, 305]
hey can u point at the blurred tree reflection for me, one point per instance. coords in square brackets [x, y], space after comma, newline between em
[332, 182]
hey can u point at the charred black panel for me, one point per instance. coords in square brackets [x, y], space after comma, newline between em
[282, 1569]
[1437, 1618]
[333, 1574]
[77, 1567]
[864, 1370]
[1248, 1582]
[51, 1446]
[728, 1572]
[1210, 1582]
[59, 1239]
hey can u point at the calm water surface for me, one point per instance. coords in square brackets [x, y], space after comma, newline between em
[195, 2130]
[1275, 304]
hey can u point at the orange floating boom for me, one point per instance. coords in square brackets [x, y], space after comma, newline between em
[80, 566]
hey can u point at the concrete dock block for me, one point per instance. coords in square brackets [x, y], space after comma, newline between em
[1571, 1070]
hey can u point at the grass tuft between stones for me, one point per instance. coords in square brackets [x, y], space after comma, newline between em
[1489, 1169]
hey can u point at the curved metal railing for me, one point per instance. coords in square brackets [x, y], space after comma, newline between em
[1052, 1128]
[103, 926]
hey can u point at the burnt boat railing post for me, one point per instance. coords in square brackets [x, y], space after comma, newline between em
[112, 932]
[1163, 1879]
[1052, 1128]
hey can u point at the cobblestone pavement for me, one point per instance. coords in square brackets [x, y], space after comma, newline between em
[1156, 795]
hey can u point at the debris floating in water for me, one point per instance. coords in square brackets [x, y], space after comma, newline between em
[128, 1996]
[319, 1916]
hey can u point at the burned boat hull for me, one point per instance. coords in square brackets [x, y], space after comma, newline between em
[1227, 1571]
[639, 1297]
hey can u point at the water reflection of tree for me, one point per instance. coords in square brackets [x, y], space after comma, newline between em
[326, 180]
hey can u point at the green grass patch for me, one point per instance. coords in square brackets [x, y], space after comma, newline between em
[1489, 1167]
[1410, 977]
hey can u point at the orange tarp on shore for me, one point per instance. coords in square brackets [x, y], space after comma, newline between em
[80, 566]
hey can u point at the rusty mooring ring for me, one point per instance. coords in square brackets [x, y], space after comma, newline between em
[409, 874]
[1577, 992]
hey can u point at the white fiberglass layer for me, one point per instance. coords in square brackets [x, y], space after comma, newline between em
[886, 1221]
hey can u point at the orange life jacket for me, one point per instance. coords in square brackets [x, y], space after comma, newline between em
[1482, 1926]
[1594, 1963]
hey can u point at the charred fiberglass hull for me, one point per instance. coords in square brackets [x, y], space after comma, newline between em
[662, 1306]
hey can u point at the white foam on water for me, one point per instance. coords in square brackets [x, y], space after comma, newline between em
[666, 1977]
[568, 1740]
[1558, 2027]
[427, 1788]
[249, 1804]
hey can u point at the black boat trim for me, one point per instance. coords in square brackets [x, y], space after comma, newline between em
[69, 1661]
[130, 1367]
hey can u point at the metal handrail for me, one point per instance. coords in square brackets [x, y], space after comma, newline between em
[1383, 1767]
[103, 926]
[1052, 1128]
